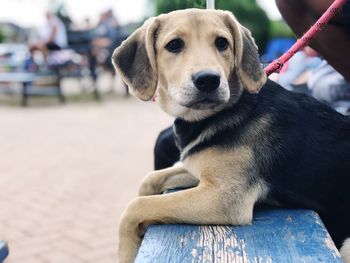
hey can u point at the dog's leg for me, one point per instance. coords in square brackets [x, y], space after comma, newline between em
[345, 251]
[170, 178]
[204, 204]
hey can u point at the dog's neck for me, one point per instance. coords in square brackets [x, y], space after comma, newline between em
[187, 132]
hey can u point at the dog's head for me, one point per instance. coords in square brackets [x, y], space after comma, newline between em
[196, 61]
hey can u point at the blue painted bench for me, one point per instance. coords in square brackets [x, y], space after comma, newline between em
[275, 236]
[4, 251]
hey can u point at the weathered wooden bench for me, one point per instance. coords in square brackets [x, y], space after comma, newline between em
[275, 236]
[3, 250]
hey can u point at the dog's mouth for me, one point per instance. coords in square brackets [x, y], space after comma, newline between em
[203, 103]
[200, 100]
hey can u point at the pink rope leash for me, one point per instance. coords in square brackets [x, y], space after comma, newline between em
[277, 64]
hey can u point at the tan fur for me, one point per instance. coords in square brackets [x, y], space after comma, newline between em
[345, 251]
[158, 182]
[227, 170]
[220, 193]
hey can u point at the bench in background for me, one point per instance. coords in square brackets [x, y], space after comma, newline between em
[28, 87]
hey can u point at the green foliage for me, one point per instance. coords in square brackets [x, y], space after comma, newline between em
[2, 36]
[246, 11]
[163, 6]
[280, 29]
[58, 7]
[62, 14]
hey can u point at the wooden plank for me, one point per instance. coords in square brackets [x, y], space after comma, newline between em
[275, 236]
[3, 250]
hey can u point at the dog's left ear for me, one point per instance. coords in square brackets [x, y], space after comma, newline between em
[247, 63]
[135, 60]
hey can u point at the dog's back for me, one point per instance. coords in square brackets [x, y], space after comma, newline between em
[310, 145]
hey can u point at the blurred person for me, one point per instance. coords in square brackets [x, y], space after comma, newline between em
[327, 85]
[52, 36]
[276, 47]
[333, 42]
[104, 37]
[107, 36]
[330, 81]
[299, 66]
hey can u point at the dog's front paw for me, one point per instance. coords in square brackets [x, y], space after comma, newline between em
[149, 185]
[147, 189]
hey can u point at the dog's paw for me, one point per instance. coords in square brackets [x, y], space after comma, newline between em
[148, 186]
[147, 189]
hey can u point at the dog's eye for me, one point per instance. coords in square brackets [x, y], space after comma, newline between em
[221, 43]
[175, 46]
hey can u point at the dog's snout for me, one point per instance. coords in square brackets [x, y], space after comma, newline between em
[206, 81]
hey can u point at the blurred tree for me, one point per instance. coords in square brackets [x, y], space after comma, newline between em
[2, 36]
[279, 28]
[62, 14]
[247, 12]
[58, 7]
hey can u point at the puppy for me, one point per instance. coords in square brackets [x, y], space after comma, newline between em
[238, 146]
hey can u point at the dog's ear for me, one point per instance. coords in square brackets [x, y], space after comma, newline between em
[246, 57]
[135, 60]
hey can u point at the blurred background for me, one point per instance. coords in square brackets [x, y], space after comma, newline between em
[74, 146]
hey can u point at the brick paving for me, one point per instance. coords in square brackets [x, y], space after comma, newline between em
[66, 174]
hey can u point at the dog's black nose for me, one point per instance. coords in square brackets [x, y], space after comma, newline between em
[206, 81]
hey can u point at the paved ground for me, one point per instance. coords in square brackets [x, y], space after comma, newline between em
[66, 174]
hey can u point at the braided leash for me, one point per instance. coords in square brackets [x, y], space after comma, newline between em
[277, 64]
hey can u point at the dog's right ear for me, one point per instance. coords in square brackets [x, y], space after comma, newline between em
[135, 60]
[246, 61]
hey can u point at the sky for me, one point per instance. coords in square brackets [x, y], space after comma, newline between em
[30, 13]
[270, 8]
